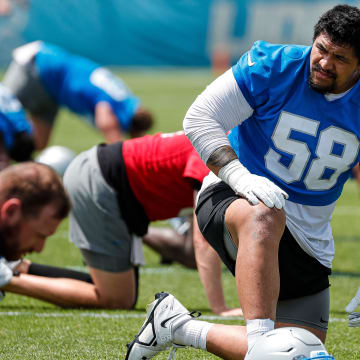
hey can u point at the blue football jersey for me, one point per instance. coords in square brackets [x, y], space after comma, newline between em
[79, 84]
[304, 143]
[12, 117]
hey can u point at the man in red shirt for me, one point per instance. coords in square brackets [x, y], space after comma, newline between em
[116, 190]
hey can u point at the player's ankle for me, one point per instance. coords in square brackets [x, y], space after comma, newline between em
[256, 328]
[192, 333]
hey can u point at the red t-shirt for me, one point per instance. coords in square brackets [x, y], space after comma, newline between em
[161, 170]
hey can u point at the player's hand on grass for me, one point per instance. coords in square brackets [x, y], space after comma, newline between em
[23, 266]
[252, 187]
[9, 268]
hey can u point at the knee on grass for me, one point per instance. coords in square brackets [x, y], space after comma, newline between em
[124, 303]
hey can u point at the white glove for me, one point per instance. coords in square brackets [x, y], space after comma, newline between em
[252, 187]
[6, 273]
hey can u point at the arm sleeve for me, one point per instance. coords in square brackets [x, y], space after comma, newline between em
[217, 110]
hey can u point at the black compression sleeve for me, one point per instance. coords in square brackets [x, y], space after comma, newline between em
[57, 272]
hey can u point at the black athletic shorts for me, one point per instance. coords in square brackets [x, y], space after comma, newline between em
[300, 273]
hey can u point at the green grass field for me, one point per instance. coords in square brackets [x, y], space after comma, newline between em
[34, 329]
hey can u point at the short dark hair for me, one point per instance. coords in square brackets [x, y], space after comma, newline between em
[35, 185]
[23, 147]
[141, 121]
[342, 25]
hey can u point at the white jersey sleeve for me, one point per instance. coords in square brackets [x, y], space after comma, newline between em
[23, 54]
[218, 109]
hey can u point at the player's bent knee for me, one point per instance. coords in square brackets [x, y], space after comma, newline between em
[269, 217]
[112, 303]
[269, 223]
[240, 213]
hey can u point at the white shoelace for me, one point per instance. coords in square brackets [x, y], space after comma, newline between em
[172, 353]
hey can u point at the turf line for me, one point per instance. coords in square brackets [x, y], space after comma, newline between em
[120, 316]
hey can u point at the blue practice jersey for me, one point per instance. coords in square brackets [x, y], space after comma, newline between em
[295, 137]
[12, 118]
[79, 84]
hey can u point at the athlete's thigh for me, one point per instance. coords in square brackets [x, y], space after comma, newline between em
[248, 222]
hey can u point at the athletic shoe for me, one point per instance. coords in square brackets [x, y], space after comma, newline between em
[164, 316]
[354, 303]
[354, 319]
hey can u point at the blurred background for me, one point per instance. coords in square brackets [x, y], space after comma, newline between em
[167, 51]
[158, 33]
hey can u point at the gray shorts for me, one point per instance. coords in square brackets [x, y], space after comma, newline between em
[312, 310]
[25, 84]
[96, 224]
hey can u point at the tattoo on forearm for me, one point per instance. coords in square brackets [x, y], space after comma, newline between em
[221, 157]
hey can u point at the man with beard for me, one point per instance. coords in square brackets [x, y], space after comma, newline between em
[293, 112]
[32, 204]
[116, 190]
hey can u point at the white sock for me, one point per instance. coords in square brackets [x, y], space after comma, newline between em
[256, 328]
[192, 333]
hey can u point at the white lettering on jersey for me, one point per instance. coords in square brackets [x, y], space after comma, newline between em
[112, 85]
[326, 159]
[177, 133]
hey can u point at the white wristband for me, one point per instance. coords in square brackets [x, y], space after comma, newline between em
[231, 172]
[252, 187]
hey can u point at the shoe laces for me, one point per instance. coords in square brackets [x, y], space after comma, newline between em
[172, 353]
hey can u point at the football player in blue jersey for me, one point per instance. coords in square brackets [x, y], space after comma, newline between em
[44, 76]
[266, 207]
[16, 133]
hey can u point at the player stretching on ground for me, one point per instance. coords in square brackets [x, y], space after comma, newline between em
[116, 190]
[44, 76]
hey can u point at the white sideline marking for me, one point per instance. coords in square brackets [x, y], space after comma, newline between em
[120, 316]
[145, 269]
